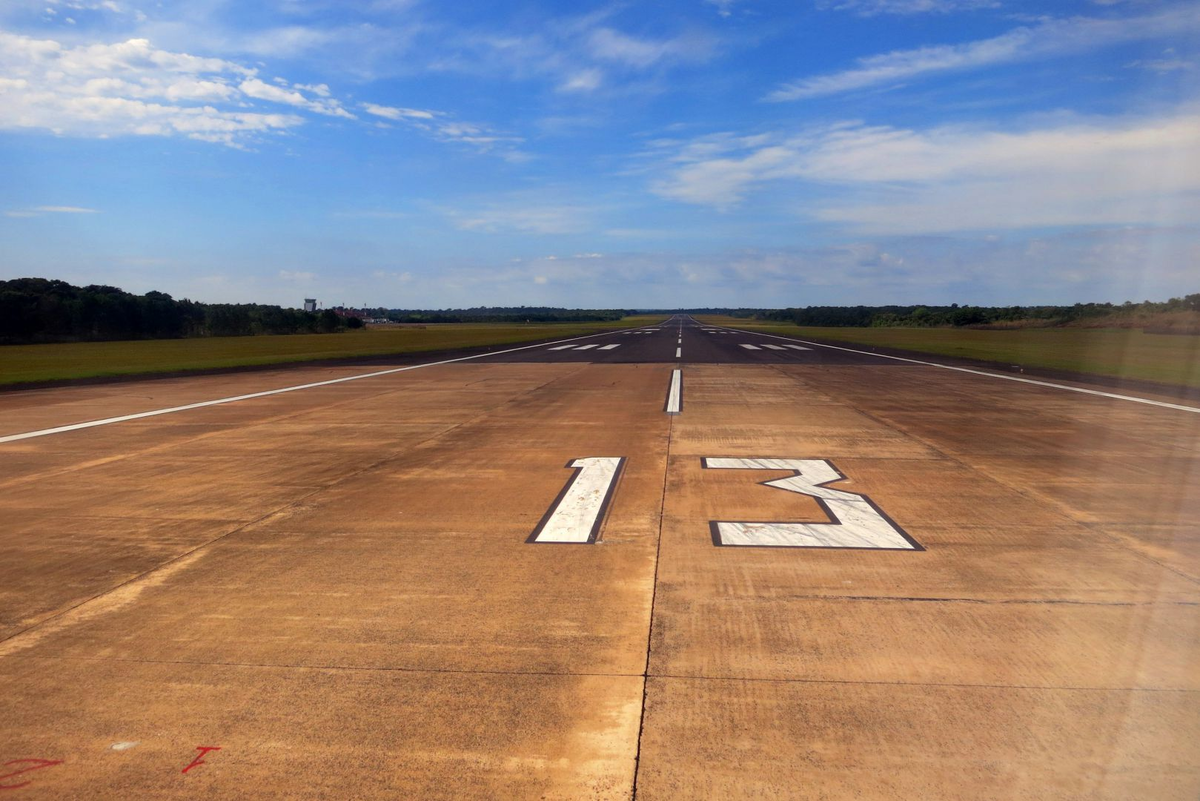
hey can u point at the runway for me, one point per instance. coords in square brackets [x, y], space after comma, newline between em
[671, 562]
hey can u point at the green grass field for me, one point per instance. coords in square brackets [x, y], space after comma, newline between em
[21, 364]
[1123, 353]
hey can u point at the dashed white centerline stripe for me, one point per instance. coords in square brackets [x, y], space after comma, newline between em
[797, 347]
[772, 347]
[679, 353]
[675, 393]
[45, 432]
[609, 347]
[585, 347]
[750, 347]
[561, 347]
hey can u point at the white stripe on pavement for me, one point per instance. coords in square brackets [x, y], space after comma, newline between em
[675, 393]
[679, 353]
[773, 347]
[45, 432]
[1132, 398]
[750, 347]
[609, 347]
[585, 347]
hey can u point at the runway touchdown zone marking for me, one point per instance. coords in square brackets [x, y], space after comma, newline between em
[577, 515]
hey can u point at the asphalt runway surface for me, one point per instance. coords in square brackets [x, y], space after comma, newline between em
[671, 562]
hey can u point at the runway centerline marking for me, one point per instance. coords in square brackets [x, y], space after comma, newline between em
[750, 347]
[773, 347]
[578, 513]
[984, 373]
[561, 347]
[675, 392]
[45, 432]
[610, 347]
[585, 347]
[679, 353]
[855, 521]
[797, 347]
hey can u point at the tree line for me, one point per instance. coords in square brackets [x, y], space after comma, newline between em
[46, 310]
[961, 316]
[500, 314]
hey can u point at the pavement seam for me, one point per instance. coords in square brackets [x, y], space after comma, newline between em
[662, 510]
[571, 674]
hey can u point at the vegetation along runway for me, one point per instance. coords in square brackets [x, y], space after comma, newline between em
[678, 561]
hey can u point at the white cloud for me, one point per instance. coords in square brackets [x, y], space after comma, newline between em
[1096, 172]
[607, 44]
[724, 7]
[437, 125]
[37, 211]
[253, 87]
[133, 88]
[395, 113]
[869, 8]
[1046, 40]
[582, 81]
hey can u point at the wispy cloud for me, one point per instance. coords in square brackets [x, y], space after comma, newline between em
[37, 211]
[519, 213]
[1092, 172]
[1049, 39]
[438, 125]
[870, 8]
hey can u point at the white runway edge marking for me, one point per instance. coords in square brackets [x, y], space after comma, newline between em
[679, 353]
[675, 392]
[750, 347]
[45, 432]
[984, 373]
[856, 523]
[578, 513]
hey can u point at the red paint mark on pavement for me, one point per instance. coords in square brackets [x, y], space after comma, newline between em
[199, 760]
[30, 764]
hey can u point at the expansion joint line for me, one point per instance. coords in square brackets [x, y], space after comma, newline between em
[662, 511]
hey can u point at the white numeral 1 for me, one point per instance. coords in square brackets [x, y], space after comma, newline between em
[855, 522]
[578, 513]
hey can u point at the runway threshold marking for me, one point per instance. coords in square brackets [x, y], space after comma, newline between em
[675, 392]
[1116, 396]
[45, 432]
[577, 513]
[855, 520]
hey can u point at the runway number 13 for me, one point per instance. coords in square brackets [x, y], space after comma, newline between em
[577, 515]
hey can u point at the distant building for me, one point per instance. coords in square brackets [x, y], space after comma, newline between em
[310, 304]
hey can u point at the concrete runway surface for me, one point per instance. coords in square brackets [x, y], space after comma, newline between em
[827, 575]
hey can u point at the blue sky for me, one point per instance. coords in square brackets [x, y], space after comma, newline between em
[680, 153]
